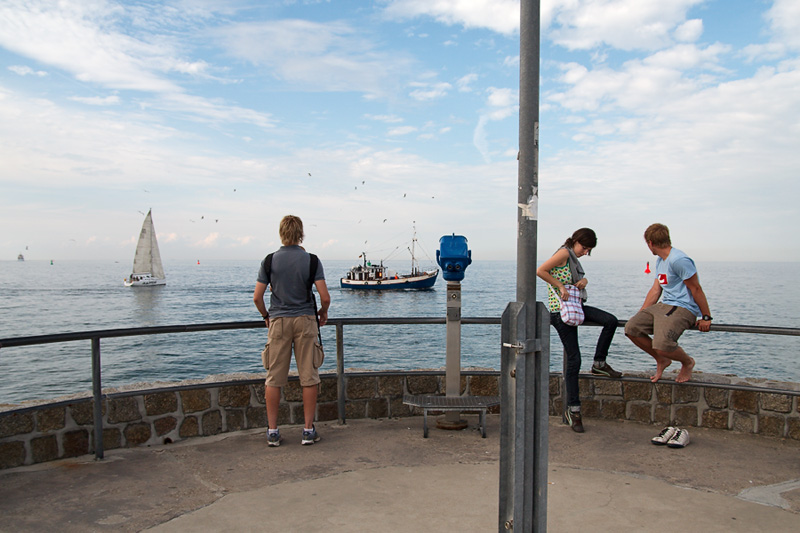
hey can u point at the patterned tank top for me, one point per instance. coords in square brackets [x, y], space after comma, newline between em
[564, 275]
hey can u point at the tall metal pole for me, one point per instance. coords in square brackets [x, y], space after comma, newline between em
[525, 339]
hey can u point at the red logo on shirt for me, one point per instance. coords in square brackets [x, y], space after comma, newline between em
[662, 279]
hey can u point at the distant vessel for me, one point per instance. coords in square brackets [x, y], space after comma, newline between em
[378, 277]
[147, 268]
[20, 257]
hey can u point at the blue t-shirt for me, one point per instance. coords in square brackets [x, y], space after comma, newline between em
[671, 274]
[288, 276]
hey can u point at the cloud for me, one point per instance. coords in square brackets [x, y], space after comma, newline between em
[690, 31]
[402, 130]
[97, 100]
[209, 241]
[501, 104]
[464, 83]
[389, 119]
[26, 71]
[501, 16]
[315, 56]
[621, 24]
[429, 91]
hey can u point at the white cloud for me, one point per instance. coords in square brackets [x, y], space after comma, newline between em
[501, 16]
[389, 119]
[464, 83]
[622, 24]
[429, 91]
[26, 71]
[97, 100]
[784, 19]
[690, 31]
[402, 130]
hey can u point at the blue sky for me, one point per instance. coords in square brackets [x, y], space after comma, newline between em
[369, 118]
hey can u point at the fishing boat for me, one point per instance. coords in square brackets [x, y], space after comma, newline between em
[367, 276]
[147, 268]
[20, 257]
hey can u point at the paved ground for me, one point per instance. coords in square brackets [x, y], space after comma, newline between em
[381, 475]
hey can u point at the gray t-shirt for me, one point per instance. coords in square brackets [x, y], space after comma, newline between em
[288, 276]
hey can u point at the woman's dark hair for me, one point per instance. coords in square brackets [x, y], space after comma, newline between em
[585, 236]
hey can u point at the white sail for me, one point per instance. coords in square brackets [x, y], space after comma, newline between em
[147, 267]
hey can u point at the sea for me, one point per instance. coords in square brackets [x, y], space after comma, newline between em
[40, 297]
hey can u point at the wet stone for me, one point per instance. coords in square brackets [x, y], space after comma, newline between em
[686, 416]
[160, 403]
[234, 420]
[190, 427]
[327, 411]
[195, 400]
[360, 388]
[637, 391]
[293, 392]
[770, 426]
[123, 410]
[83, 413]
[256, 417]
[604, 387]
[165, 425]
[746, 401]
[793, 430]
[136, 434]
[328, 390]
[613, 409]
[51, 419]
[234, 396]
[716, 398]
[378, 408]
[715, 419]
[390, 385]
[398, 408]
[212, 423]
[356, 409]
[16, 424]
[780, 403]
[640, 412]
[112, 439]
[76, 443]
[686, 394]
[44, 449]
[422, 384]
[12, 454]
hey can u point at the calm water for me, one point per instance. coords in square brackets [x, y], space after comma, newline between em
[38, 298]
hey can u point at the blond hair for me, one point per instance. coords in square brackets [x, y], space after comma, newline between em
[291, 230]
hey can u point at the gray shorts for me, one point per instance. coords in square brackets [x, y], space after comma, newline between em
[666, 323]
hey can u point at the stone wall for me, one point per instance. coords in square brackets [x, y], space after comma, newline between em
[34, 434]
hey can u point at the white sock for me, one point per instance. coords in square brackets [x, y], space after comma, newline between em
[273, 432]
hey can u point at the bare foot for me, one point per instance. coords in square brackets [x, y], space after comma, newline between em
[661, 364]
[686, 372]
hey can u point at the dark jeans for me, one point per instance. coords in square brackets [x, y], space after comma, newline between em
[572, 352]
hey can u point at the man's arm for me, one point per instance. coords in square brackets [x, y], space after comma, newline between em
[324, 301]
[693, 284]
[258, 299]
[652, 295]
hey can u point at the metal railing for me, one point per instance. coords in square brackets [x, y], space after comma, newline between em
[338, 323]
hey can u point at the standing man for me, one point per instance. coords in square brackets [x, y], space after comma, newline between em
[683, 301]
[293, 320]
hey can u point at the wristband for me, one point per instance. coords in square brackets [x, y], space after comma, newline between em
[265, 317]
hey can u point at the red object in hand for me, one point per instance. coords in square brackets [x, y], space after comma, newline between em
[647, 270]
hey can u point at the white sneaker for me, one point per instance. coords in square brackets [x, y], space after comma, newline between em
[679, 439]
[663, 437]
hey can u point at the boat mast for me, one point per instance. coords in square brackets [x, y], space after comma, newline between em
[414, 268]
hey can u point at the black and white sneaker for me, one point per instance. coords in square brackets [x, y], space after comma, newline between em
[679, 440]
[662, 438]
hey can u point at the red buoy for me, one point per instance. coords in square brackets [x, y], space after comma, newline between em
[647, 270]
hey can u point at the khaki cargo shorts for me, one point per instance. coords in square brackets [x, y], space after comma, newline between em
[302, 333]
[666, 323]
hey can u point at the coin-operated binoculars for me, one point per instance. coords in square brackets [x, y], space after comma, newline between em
[454, 258]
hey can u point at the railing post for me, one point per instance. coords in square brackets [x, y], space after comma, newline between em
[97, 393]
[340, 388]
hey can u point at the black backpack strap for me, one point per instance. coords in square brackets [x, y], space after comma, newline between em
[268, 266]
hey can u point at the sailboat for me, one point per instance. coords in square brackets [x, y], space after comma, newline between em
[147, 268]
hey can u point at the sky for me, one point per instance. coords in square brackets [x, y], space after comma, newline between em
[371, 119]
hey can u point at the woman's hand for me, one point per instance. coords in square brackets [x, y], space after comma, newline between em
[582, 283]
[563, 292]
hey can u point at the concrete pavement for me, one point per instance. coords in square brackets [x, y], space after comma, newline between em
[381, 475]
